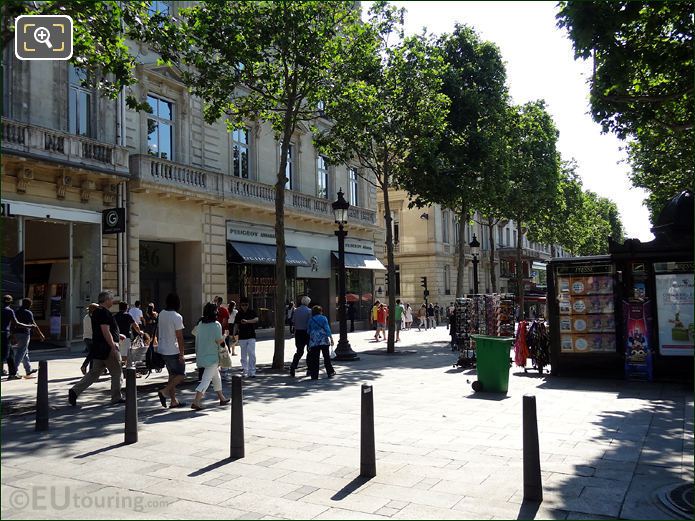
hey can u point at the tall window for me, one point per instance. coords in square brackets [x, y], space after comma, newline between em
[456, 231]
[516, 238]
[289, 169]
[160, 128]
[353, 187]
[445, 226]
[79, 104]
[322, 177]
[396, 227]
[159, 6]
[507, 241]
[500, 236]
[240, 150]
[447, 279]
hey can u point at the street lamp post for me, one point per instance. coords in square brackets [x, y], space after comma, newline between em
[340, 210]
[475, 251]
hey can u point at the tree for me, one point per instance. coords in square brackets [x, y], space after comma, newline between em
[100, 32]
[642, 84]
[263, 62]
[466, 172]
[387, 111]
[600, 219]
[562, 221]
[533, 172]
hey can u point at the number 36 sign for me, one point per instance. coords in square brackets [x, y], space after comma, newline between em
[113, 220]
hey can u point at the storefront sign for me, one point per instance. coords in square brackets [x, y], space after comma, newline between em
[674, 293]
[113, 221]
[45, 211]
[5, 210]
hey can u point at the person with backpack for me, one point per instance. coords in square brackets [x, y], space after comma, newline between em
[320, 338]
[104, 351]
[127, 326]
[301, 317]
[208, 341]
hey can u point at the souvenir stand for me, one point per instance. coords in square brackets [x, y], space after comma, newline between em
[629, 312]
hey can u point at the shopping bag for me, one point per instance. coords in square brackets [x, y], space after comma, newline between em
[225, 358]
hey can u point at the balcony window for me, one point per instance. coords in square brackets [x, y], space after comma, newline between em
[353, 187]
[79, 104]
[160, 128]
[445, 226]
[289, 169]
[322, 177]
[240, 150]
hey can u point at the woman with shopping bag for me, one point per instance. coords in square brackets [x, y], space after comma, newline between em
[211, 353]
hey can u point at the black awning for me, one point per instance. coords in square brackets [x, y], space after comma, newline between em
[360, 261]
[254, 253]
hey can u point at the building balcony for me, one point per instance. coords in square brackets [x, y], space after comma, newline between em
[34, 142]
[187, 182]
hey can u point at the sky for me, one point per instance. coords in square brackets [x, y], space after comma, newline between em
[540, 65]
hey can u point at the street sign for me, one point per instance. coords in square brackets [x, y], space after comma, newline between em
[113, 221]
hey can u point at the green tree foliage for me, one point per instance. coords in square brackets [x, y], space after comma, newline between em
[599, 219]
[642, 85]
[266, 62]
[100, 32]
[387, 111]
[467, 171]
[534, 171]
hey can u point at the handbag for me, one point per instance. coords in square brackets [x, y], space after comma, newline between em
[224, 358]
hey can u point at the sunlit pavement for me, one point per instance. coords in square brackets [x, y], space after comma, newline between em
[443, 452]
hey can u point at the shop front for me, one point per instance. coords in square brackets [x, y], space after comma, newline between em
[311, 264]
[52, 255]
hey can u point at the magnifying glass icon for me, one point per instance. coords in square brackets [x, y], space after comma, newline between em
[42, 35]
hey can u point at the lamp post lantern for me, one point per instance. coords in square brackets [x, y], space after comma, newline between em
[475, 251]
[340, 211]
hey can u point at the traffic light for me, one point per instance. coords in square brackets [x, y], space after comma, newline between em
[423, 282]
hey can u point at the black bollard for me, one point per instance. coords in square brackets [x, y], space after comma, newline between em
[533, 488]
[42, 398]
[237, 438]
[367, 448]
[131, 407]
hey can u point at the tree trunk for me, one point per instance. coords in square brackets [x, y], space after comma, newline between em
[461, 269]
[280, 264]
[391, 267]
[493, 274]
[519, 271]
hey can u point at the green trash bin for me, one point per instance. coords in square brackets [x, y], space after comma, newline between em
[492, 363]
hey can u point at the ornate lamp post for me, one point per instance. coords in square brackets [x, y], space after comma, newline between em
[340, 210]
[475, 251]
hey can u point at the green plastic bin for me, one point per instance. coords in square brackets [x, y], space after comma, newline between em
[492, 363]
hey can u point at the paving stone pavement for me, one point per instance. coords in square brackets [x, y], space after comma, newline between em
[443, 452]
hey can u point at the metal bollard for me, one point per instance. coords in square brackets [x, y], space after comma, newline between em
[237, 438]
[533, 487]
[367, 447]
[42, 398]
[131, 407]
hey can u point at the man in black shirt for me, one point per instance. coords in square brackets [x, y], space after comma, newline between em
[104, 351]
[245, 321]
[23, 338]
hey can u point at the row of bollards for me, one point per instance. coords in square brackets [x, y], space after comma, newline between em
[533, 487]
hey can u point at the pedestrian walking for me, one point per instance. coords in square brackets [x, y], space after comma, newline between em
[208, 341]
[8, 320]
[150, 320]
[430, 316]
[381, 317]
[351, 311]
[246, 320]
[437, 316]
[302, 314]
[136, 312]
[22, 336]
[408, 317]
[373, 316]
[232, 317]
[87, 337]
[104, 352]
[320, 340]
[289, 313]
[422, 317]
[223, 319]
[398, 316]
[171, 347]
[126, 326]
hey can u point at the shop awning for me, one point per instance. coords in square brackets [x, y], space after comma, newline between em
[254, 253]
[360, 261]
[539, 266]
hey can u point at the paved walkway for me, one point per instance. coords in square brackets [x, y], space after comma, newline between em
[443, 452]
